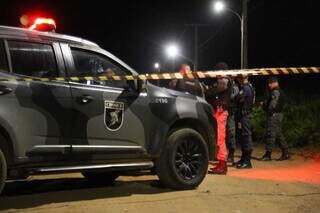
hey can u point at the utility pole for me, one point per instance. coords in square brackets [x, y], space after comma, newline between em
[244, 35]
[196, 31]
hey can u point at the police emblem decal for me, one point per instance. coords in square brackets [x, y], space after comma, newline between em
[113, 115]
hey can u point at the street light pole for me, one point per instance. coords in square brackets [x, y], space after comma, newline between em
[244, 35]
[219, 6]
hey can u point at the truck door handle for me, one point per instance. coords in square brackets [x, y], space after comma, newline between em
[5, 90]
[85, 99]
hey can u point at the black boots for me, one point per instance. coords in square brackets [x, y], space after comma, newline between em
[266, 156]
[245, 161]
[284, 156]
[241, 159]
[231, 156]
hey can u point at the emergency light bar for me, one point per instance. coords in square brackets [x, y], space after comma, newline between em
[44, 24]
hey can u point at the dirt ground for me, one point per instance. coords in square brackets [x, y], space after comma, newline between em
[291, 186]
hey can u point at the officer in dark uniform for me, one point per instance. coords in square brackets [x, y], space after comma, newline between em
[231, 125]
[273, 105]
[245, 101]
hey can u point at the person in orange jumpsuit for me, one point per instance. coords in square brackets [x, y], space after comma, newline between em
[220, 100]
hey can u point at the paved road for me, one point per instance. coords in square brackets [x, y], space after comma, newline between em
[270, 187]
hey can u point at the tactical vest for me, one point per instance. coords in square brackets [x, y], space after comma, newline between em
[281, 102]
[248, 103]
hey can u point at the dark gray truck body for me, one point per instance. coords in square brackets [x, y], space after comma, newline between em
[59, 126]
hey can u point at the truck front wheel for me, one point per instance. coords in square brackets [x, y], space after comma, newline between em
[183, 163]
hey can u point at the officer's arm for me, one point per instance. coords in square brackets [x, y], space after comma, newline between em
[234, 92]
[245, 92]
[211, 92]
[240, 97]
[194, 86]
[274, 100]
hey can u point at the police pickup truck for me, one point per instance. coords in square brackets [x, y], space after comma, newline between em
[98, 128]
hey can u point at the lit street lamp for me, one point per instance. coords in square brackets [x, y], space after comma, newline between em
[173, 52]
[218, 7]
[157, 67]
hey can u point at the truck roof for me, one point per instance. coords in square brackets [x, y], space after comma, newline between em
[17, 32]
[23, 33]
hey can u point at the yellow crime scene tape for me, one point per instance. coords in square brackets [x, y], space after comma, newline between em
[194, 75]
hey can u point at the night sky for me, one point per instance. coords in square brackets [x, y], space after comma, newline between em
[281, 32]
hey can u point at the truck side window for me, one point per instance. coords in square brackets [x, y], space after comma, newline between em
[3, 58]
[32, 59]
[89, 63]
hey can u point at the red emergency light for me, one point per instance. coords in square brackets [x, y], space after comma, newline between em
[43, 24]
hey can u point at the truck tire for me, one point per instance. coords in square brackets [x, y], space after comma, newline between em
[101, 177]
[183, 163]
[3, 170]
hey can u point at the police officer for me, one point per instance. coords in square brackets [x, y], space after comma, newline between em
[245, 101]
[231, 127]
[192, 86]
[273, 105]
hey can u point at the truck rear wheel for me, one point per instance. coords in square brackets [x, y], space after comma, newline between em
[3, 170]
[183, 163]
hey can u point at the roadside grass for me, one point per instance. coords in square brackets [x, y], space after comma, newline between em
[301, 125]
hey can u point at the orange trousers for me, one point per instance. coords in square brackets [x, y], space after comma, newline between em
[221, 148]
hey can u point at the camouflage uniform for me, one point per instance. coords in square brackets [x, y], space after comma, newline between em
[274, 121]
